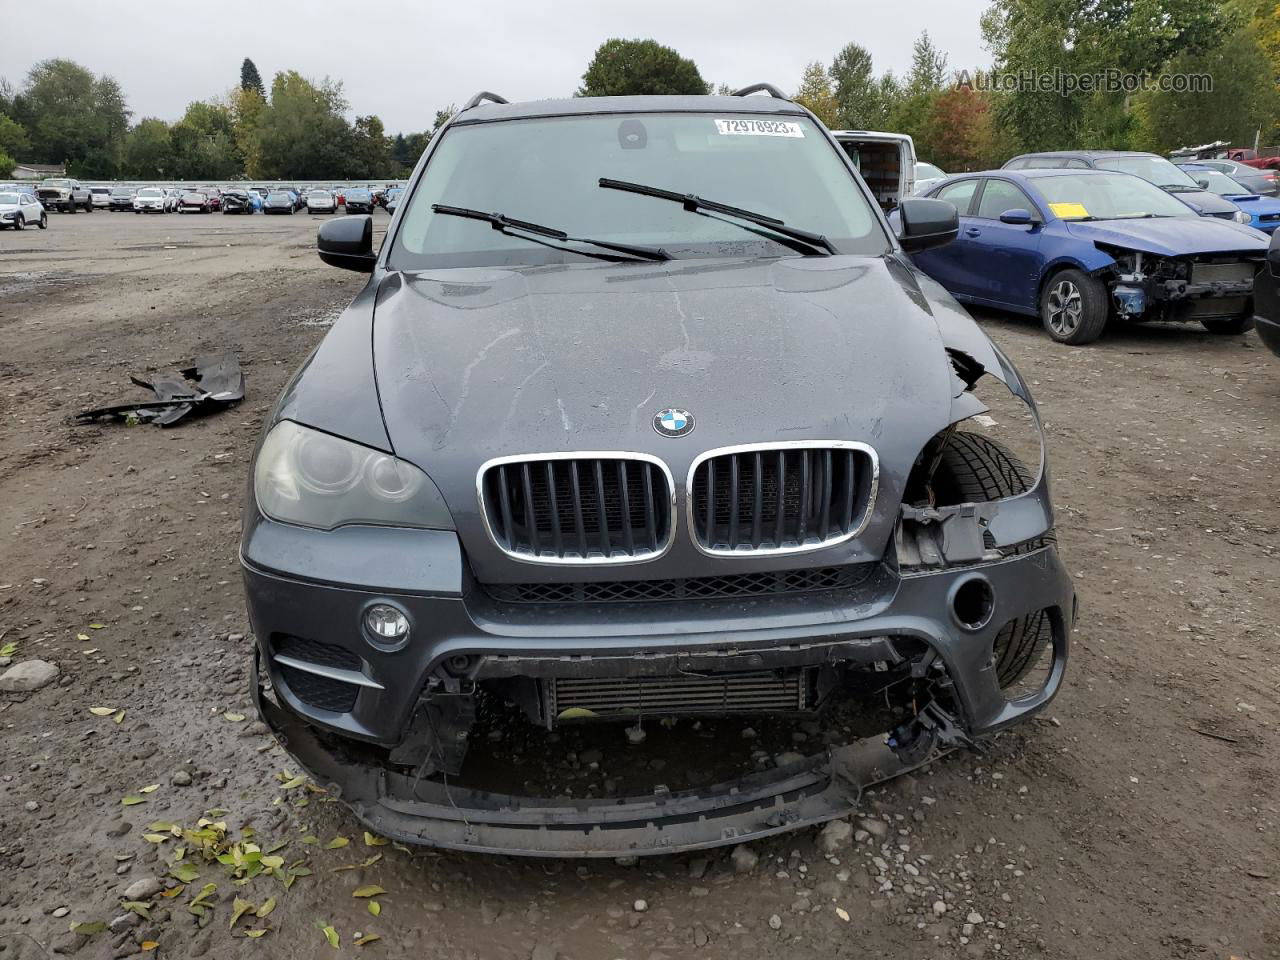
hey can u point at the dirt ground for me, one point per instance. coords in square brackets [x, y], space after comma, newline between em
[1138, 818]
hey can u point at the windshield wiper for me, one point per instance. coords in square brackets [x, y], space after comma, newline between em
[504, 225]
[802, 240]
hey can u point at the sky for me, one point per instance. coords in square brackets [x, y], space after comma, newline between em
[405, 64]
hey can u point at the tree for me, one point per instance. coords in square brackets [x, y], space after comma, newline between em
[302, 134]
[204, 143]
[959, 130]
[7, 164]
[370, 148]
[247, 106]
[72, 116]
[623, 68]
[928, 67]
[149, 151]
[855, 88]
[14, 141]
[250, 79]
[815, 93]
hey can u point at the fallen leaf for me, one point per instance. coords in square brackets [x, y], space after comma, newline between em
[266, 908]
[155, 837]
[173, 892]
[331, 935]
[367, 938]
[82, 636]
[371, 841]
[88, 929]
[372, 890]
[140, 907]
[102, 711]
[309, 839]
[274, 863]
[233, 717]
[151, 789]
[294, 782]
[185, 872]
[843, 914]
[375, 908]
[119, 717]
[130, 801]
[239, 908]
[149, 945]
[255, 934]
[97, 626]
[337, 843]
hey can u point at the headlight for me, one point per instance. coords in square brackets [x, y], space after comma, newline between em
[313, 479]
[1241, 217]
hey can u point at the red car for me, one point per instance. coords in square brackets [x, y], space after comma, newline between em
[215, 197]
[194, 201]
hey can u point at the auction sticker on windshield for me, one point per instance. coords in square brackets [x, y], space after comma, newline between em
[1069, 211]
[760, 128]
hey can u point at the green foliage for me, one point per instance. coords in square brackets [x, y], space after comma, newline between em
[370, 149]
[858, 104]
[250, 79]
[204, 144]
[928, 67]
[637, 67]
[6, 164]
[302, 133]
[816, 93]
[149, 151]
[70, 115]
[13, 137]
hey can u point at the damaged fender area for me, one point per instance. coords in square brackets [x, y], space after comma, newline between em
[1147, 286]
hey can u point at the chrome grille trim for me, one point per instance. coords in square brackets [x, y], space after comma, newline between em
[330, 673]
[639, 553]
[808, 544]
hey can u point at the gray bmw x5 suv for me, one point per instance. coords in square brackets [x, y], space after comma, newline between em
[645, 417]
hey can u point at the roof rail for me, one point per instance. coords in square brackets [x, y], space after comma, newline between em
[768, 88]
[481, 97]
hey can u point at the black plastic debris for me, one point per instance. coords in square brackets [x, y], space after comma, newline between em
[211, 384]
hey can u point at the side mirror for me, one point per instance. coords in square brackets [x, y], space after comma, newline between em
[1018, 217]
[1273, 254]
[927, 223]
[347, 242]
[1203, 184]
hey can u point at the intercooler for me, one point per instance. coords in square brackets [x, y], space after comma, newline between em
[757, 692]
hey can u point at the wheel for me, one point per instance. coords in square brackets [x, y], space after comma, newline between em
[71, 206]
[1074, 307]
[88, 205]
[973, 468]
[20, 223]
[44, 221]
[1225, 326]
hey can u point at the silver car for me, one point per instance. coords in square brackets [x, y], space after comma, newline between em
[19, 209]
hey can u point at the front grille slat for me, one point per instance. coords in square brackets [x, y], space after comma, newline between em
[730, 693]
[580, 508]
[798, 496]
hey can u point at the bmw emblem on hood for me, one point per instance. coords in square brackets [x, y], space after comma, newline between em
[673, 422]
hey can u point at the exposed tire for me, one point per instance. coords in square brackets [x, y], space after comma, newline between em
[975, 469]
[20, 223]
[1074, 307]
[71, 207]
[44, 221]
[88, 205]
[1228, 326]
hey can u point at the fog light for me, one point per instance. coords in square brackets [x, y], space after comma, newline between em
[386, 622]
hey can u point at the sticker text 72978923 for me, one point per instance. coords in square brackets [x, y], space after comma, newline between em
[760, 128]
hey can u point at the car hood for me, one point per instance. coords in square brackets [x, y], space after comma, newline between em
[1206, 201]
[1172, 236]
[1257, 206]
[478, 363]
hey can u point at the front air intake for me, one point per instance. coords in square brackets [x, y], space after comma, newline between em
[760, 692]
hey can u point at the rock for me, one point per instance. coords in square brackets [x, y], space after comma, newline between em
[775, 922]
[640, 906]
[61, 912]
[834, 837]
[126, 921]
[180, 778]
[974, 917]
[626, 861]
[788, 758]
[27, 676]
[697, 868]
[120, 829]
[748, 733]
[143, 889]
[5, 661]
[635, 734]
[700, 936]
[876, 828]
[939, 908]
[31, 806]
[69, 943]
[743, 858]
[542, 951]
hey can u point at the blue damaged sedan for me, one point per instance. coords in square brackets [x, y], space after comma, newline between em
[1264, 211]
[1081, 248]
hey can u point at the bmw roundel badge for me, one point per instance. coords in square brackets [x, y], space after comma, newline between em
[673, 422]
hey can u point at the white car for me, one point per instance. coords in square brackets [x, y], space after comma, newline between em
[321, 201]
[151, 200]
[19, 209]
[101, 196]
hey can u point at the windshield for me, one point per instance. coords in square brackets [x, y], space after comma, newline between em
[1220, 183]
[57, 183]
[1155, 170]
[358, 194]
[279, 195]
[99, 190]
[1093, 196]
[9, 198]
[122, 192]
[927, 171]
[151, 192]
[319, 195]
[547, 170]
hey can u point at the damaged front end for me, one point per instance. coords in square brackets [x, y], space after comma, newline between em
[1149, 287]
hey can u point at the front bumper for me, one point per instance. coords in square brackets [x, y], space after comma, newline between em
[317, 585]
